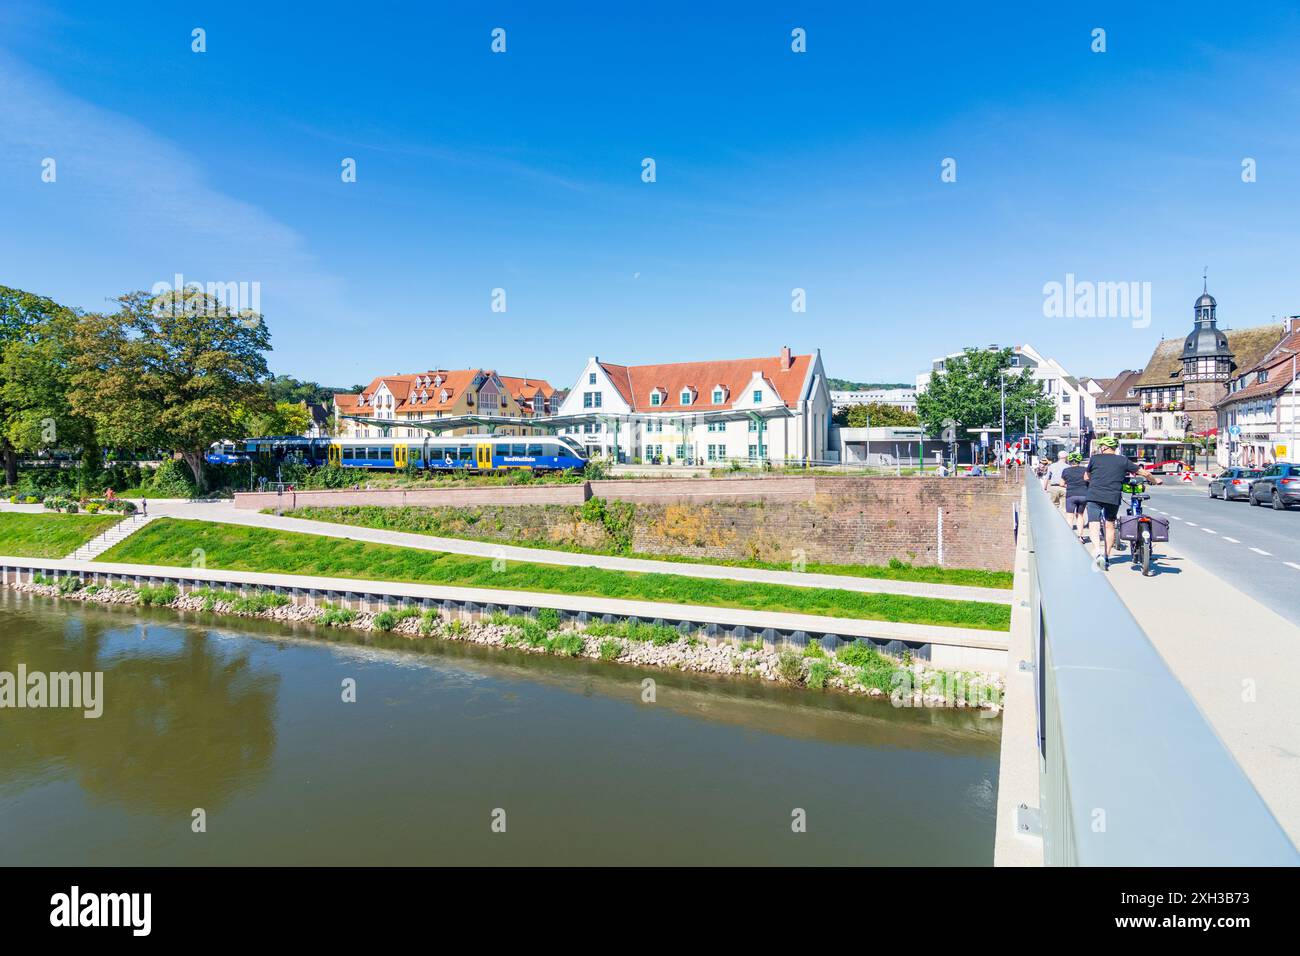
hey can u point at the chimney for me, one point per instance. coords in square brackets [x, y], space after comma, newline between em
[786, 361]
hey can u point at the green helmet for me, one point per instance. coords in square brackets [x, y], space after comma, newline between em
[1075, 456]
[1107, 441]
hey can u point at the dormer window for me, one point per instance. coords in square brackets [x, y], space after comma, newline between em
[719, 394]
[442, 397]
[657, 396]
[686, 396]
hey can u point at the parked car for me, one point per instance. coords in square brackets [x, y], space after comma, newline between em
[1278, 486]
[1233, 483]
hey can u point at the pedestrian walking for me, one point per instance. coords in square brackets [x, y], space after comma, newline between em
[1053, 481]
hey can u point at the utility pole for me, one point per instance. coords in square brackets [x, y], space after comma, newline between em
[1002, 381]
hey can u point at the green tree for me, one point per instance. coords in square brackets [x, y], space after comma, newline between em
[284, 418]
[876, 415]
[968, 391]
[172, 371]
[36, 348]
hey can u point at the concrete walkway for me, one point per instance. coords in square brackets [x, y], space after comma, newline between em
[226, 513]
[1239, 660]
[950, 646]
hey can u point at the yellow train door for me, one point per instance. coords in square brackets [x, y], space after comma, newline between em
[485, 456]
[335, 453]
[401, 455]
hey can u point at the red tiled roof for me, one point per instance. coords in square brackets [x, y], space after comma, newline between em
[635, 382]
[1117, 391]
[1278, 365]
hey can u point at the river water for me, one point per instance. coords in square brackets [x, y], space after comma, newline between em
[245, 720]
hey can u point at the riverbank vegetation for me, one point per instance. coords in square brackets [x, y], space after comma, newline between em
[613, 521]
[49, 535]
[856, 668]
[171, 541]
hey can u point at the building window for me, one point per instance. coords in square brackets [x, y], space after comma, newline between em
[717, 426]
[753, 425]
[591, 378]
[757, 451]
[591, 399]
[686, 396]
[717, 396]
[757, 396]
[656, 398]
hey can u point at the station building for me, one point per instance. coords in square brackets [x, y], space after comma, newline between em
[774, 409]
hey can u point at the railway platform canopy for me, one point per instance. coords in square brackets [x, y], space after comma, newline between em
[553, 423]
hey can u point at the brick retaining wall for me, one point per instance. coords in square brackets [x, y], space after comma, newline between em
[836, 520]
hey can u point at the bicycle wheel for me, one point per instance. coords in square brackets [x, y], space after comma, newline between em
[1146, 558]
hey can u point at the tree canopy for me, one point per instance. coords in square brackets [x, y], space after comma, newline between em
[876, 415]
[968, 392]
[174, 371]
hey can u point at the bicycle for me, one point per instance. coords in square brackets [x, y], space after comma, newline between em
[1141, 528]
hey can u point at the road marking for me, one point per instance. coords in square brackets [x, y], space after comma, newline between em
[1233, 540]
[1176, 518]
[1264, 553]
[1292, 564]
[1191, 524]
[1208, 531]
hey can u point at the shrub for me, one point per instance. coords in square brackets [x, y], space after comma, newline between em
[814, 650]
[818, 671]
[610, 649]
[69, 584]
[385, 620]
[429, 622]
[332, 616]
[857, 654]
[39, 578]
[789, 667]
[567, 645]
[157, 595]
[256, 603]
[173, 480]
[549, 618]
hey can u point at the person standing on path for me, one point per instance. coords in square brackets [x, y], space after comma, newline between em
[1106, 472]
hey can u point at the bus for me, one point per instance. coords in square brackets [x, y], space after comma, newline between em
[1159, 455]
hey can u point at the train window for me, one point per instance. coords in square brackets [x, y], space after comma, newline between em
[466, 452]
[535, 450]
[385, 453]
[519, 449]
[349, 453]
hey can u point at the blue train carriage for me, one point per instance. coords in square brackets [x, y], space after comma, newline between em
[459, 453]
[226, 453]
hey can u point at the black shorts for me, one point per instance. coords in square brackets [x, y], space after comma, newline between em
[1075, 504]
[1101, 509]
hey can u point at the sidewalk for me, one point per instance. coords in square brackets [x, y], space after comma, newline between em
[226, 513]
[1239, 661]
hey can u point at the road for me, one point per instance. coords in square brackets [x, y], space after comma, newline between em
[1256, 550]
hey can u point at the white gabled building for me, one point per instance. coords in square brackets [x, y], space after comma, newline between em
[774, 409]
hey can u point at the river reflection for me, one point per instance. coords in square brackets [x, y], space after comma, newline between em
[246, 720]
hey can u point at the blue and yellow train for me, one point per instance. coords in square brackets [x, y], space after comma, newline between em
[480, 453]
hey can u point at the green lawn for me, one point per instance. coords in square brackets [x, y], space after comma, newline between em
[171, 541]
[49, 535]
[449, 523]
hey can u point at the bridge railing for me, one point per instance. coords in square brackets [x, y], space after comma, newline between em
[1131, 773]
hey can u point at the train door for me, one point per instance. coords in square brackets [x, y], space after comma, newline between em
[401, 455]
[485, 455]
[335, 453]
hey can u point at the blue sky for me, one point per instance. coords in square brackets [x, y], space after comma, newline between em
[775, 171]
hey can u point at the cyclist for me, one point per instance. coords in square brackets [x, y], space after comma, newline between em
[1076, 494]
[1106, 474]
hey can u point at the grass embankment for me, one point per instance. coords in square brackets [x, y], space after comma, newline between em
[459, 523]
[49, 535]
[172, 541]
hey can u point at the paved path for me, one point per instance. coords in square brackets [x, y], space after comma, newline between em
[1256, 550]
[225, 512]
[1239, 659]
